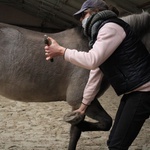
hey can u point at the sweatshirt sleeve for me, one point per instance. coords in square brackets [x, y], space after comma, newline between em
[109, 38]
[93, 85]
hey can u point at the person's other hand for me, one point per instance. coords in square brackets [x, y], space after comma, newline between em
[81, 109]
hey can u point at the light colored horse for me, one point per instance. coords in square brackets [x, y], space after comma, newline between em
[27, 76]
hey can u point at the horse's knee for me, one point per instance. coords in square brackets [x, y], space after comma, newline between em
[104, 124]
[108, 123]
[97, 112]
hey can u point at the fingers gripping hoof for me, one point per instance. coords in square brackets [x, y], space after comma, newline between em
[73, 118]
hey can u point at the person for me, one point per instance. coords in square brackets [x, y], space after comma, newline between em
[119, 55]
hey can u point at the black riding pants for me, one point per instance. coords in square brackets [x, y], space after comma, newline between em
[133, 110]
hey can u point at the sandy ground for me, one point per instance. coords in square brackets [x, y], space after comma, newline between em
[40, 126]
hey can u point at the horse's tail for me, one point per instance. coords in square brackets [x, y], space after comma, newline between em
[140, 23]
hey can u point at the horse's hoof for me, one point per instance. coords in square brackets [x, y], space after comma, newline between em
[73, 117]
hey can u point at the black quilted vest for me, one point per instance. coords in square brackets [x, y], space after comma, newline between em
[129, 66]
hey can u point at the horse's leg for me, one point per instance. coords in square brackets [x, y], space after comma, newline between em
[75, 133]
[94, 111]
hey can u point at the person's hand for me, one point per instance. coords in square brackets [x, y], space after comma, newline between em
[53, 50]
[81, 109]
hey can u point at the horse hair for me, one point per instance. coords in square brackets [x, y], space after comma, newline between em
[139, 23]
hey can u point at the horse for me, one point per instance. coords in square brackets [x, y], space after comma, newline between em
[26, 75]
